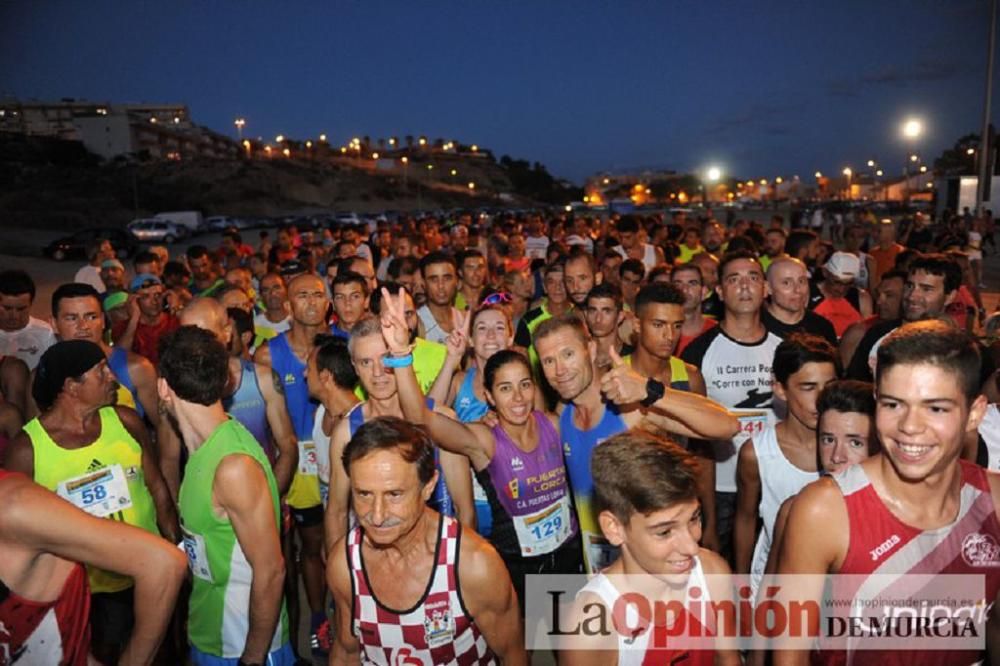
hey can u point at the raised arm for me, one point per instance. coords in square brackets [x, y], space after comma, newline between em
[447, 433]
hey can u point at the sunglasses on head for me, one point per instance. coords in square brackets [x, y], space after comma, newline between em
[497, 298]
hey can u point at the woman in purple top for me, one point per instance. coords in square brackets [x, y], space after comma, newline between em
[519, 463]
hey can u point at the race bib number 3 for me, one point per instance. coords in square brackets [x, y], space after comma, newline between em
[307, 458]
[100, 493]
[545, 530]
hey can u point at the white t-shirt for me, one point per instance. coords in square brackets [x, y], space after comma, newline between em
[91, 275]
[738, 377]
[29, 343]
[535, 247]
[261, 322]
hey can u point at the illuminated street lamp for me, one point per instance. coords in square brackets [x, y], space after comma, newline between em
[970, 151]
[322, 137]
[778, 180]
[912, 129]
[923, 168]
[878, 173]
[819, 175]
[472, 185]
[279, 138]
[286, 152]
[474, 148]
[713, 174]
[847, 172]
[914, 158]
[374, 156]
[871, 163]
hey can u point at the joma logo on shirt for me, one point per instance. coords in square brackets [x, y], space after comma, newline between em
[885, 547]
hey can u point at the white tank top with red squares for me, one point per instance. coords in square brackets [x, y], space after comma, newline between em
[437, 631]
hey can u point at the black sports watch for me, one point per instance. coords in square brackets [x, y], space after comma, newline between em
[654, 391]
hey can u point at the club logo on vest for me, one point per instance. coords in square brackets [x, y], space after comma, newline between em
[406, 656]
[884, 547]
[980, 550]
[439, 625]
[516, 463]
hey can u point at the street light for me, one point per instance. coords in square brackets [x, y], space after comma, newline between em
[713, 174]
[279, 138]
[240, 122]
[914, 158]
[322, 137]
[912, 128]
[818, 175]
[871, 163]
[847, 172]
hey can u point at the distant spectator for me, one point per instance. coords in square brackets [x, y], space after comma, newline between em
[113, 275]
[205, 280]
[147, 262]
[149, 318]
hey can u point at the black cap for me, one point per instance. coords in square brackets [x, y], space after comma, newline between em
[61, 361]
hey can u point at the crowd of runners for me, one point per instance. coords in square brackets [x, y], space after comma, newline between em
[375, 436]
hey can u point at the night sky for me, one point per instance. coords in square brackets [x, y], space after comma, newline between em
[761, 88]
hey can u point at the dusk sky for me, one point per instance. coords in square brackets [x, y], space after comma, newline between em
[761, 88]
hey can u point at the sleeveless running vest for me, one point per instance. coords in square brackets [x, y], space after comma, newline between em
[635, 650]
[577, 448]
[128, 395]
[46, 632]
[528, 494]
[247, 406]
[779, 480]
[219, 610]
[468, 407]
[104, 478]
[880, 543]
[438, 629]
[304, 491]
[679, 378]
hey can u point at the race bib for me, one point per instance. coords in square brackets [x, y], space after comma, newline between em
[752, 424]
[545, 530]
[100, 493]
[194, 548]
[307, 458]
[478, 494]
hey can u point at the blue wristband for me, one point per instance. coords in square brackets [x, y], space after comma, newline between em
[398, 361]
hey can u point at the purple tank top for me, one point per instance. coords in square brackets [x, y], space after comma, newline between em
[532, 490]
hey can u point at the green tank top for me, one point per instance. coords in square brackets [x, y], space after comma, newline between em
[219, 609]
[104, 479]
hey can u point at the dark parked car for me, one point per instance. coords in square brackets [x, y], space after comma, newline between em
[77, 245]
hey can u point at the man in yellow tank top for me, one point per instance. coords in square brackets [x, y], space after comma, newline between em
[97, 457]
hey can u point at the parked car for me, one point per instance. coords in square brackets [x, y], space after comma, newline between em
[156, 231]
[218, 223]
[75, 246]
[190, 219]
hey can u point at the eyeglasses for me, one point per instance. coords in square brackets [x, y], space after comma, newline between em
[497, 298]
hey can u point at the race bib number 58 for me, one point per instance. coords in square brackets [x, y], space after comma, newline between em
[100, 493]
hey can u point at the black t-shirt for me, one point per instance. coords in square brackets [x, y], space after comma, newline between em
[811, 323]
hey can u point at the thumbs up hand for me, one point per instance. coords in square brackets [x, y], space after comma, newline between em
[621, 384]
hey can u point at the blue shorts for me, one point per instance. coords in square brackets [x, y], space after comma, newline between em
[283, 656]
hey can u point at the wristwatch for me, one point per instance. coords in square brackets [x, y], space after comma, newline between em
[654, 391]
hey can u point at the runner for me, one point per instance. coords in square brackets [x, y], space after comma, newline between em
[440, 276]
[229, 513]
[404, 555]
[518, 463]
[687, 279]
[786, 310]
[99, 458]
[287, 354]
[44, 596]
[596, 410]
[915, 505]
[645, 495]
[369, 349]
[252, 396]
[735, 359]
[780, 461]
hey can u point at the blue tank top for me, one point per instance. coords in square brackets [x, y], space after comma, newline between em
[440, 499]
[247, 406]
[118, 362]
[468, 407]
[578, 445]
[301, 409]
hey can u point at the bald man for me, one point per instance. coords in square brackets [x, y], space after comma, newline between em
[785, 311]
[288, 354]
[253, 397]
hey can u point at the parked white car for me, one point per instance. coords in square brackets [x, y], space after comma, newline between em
[156, 231]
